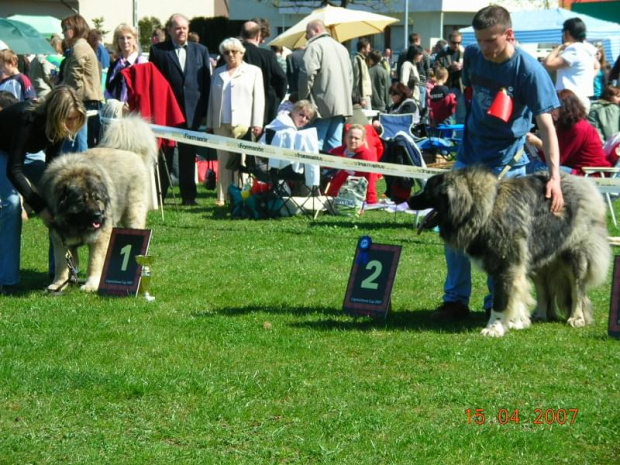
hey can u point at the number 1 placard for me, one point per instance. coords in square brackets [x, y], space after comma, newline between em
[371, 280]
[121, 272]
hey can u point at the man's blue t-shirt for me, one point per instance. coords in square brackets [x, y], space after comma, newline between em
[487, 139]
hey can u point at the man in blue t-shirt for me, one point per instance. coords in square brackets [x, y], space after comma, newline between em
[491, 66]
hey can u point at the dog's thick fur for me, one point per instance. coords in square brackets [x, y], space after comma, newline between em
[507, 227]
[90, 193]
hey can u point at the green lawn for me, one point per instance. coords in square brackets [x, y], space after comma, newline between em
[197, 376]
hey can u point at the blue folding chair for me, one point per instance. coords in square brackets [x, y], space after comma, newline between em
[393, 124]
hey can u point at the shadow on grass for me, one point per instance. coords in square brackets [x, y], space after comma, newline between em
[32, 282]
[330, 319]
[397, 321]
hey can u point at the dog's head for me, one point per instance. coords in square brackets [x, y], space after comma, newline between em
[456, 197]
[81, 207]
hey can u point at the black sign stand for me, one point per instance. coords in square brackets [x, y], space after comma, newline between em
[121, 272]
[371, 280]
[614, 301]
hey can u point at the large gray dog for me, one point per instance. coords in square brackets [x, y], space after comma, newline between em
[90, 193]
[507, 227]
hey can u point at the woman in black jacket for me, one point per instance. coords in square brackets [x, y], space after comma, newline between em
[28, 127]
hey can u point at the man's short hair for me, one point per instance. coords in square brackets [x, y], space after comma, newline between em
[414, 37]
[576, 28]
[362, 43]
[375, 56]
[173, 18]
[490, 16]
[250, 30]
[265, 26]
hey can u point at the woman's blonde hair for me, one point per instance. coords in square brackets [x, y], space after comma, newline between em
[57, 107]
[121, 29]
[359, 127]
[306, 106]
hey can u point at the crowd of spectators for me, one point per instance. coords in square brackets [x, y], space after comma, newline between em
[249, 87]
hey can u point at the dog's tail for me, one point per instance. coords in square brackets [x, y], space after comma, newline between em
[131, 133]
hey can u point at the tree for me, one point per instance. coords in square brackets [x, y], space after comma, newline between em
[98, 25]
[145, 28]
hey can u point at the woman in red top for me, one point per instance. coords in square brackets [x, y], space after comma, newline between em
[580, 144]
[355, 147]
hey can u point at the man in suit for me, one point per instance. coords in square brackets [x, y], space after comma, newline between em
[186, 66]
[294, 62]
[274, 78]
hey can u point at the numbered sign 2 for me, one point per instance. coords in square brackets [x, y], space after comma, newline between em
[371, 280]
[121, 272]
[614, 301]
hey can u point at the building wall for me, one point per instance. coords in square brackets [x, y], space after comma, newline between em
[115, 12]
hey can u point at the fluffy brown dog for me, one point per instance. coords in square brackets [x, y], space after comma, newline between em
[90, 193]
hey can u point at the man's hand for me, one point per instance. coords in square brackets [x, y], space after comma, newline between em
[554, 192]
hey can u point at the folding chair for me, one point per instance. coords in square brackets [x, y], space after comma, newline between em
[402, 150]
[393, 124]
[612, 149]
[443, 139]
[287, 179]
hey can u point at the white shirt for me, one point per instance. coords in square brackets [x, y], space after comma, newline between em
[227, 97]
[181, 51]
[579, 76]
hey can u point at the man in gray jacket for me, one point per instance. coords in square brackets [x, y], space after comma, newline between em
[325, 80]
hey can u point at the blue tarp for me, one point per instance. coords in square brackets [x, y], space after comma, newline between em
[545, 26]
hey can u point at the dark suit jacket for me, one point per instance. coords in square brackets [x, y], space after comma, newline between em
[274, 78]
[191, 88]
[294, 62]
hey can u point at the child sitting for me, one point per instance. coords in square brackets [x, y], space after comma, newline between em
[442, 103]
[355, 147]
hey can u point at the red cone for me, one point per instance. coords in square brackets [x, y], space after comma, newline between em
[502, 106]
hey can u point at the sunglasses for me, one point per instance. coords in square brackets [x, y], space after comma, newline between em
[456, 43]
[231, 52]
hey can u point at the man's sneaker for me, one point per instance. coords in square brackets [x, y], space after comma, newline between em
[450, 311]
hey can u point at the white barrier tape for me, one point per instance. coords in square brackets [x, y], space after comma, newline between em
[254, 148]
[605, 185]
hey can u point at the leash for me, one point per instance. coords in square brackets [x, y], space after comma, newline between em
[517, 156]
[73, 272]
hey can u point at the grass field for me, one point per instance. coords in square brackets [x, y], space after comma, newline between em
[245, 357]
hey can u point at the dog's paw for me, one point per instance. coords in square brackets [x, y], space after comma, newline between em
[56, 286]
[576, 322]
[521, 323]
[90, 286]
[495, 329]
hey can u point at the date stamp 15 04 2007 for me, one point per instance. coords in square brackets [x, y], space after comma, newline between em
[537, 416]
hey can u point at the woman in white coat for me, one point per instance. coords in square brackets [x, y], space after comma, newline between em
[236, 105]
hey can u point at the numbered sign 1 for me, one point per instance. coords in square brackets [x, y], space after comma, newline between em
[370, 283]
[121, 272]
[614, 301]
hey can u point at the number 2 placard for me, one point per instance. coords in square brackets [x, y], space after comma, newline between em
[371, 280]
[121, 272]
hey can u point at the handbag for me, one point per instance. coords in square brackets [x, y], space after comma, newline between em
[352, 194]
[210, 177]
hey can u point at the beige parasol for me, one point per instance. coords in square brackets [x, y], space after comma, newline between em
[342, 23]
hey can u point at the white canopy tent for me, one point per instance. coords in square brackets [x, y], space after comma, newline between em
[545, 26]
